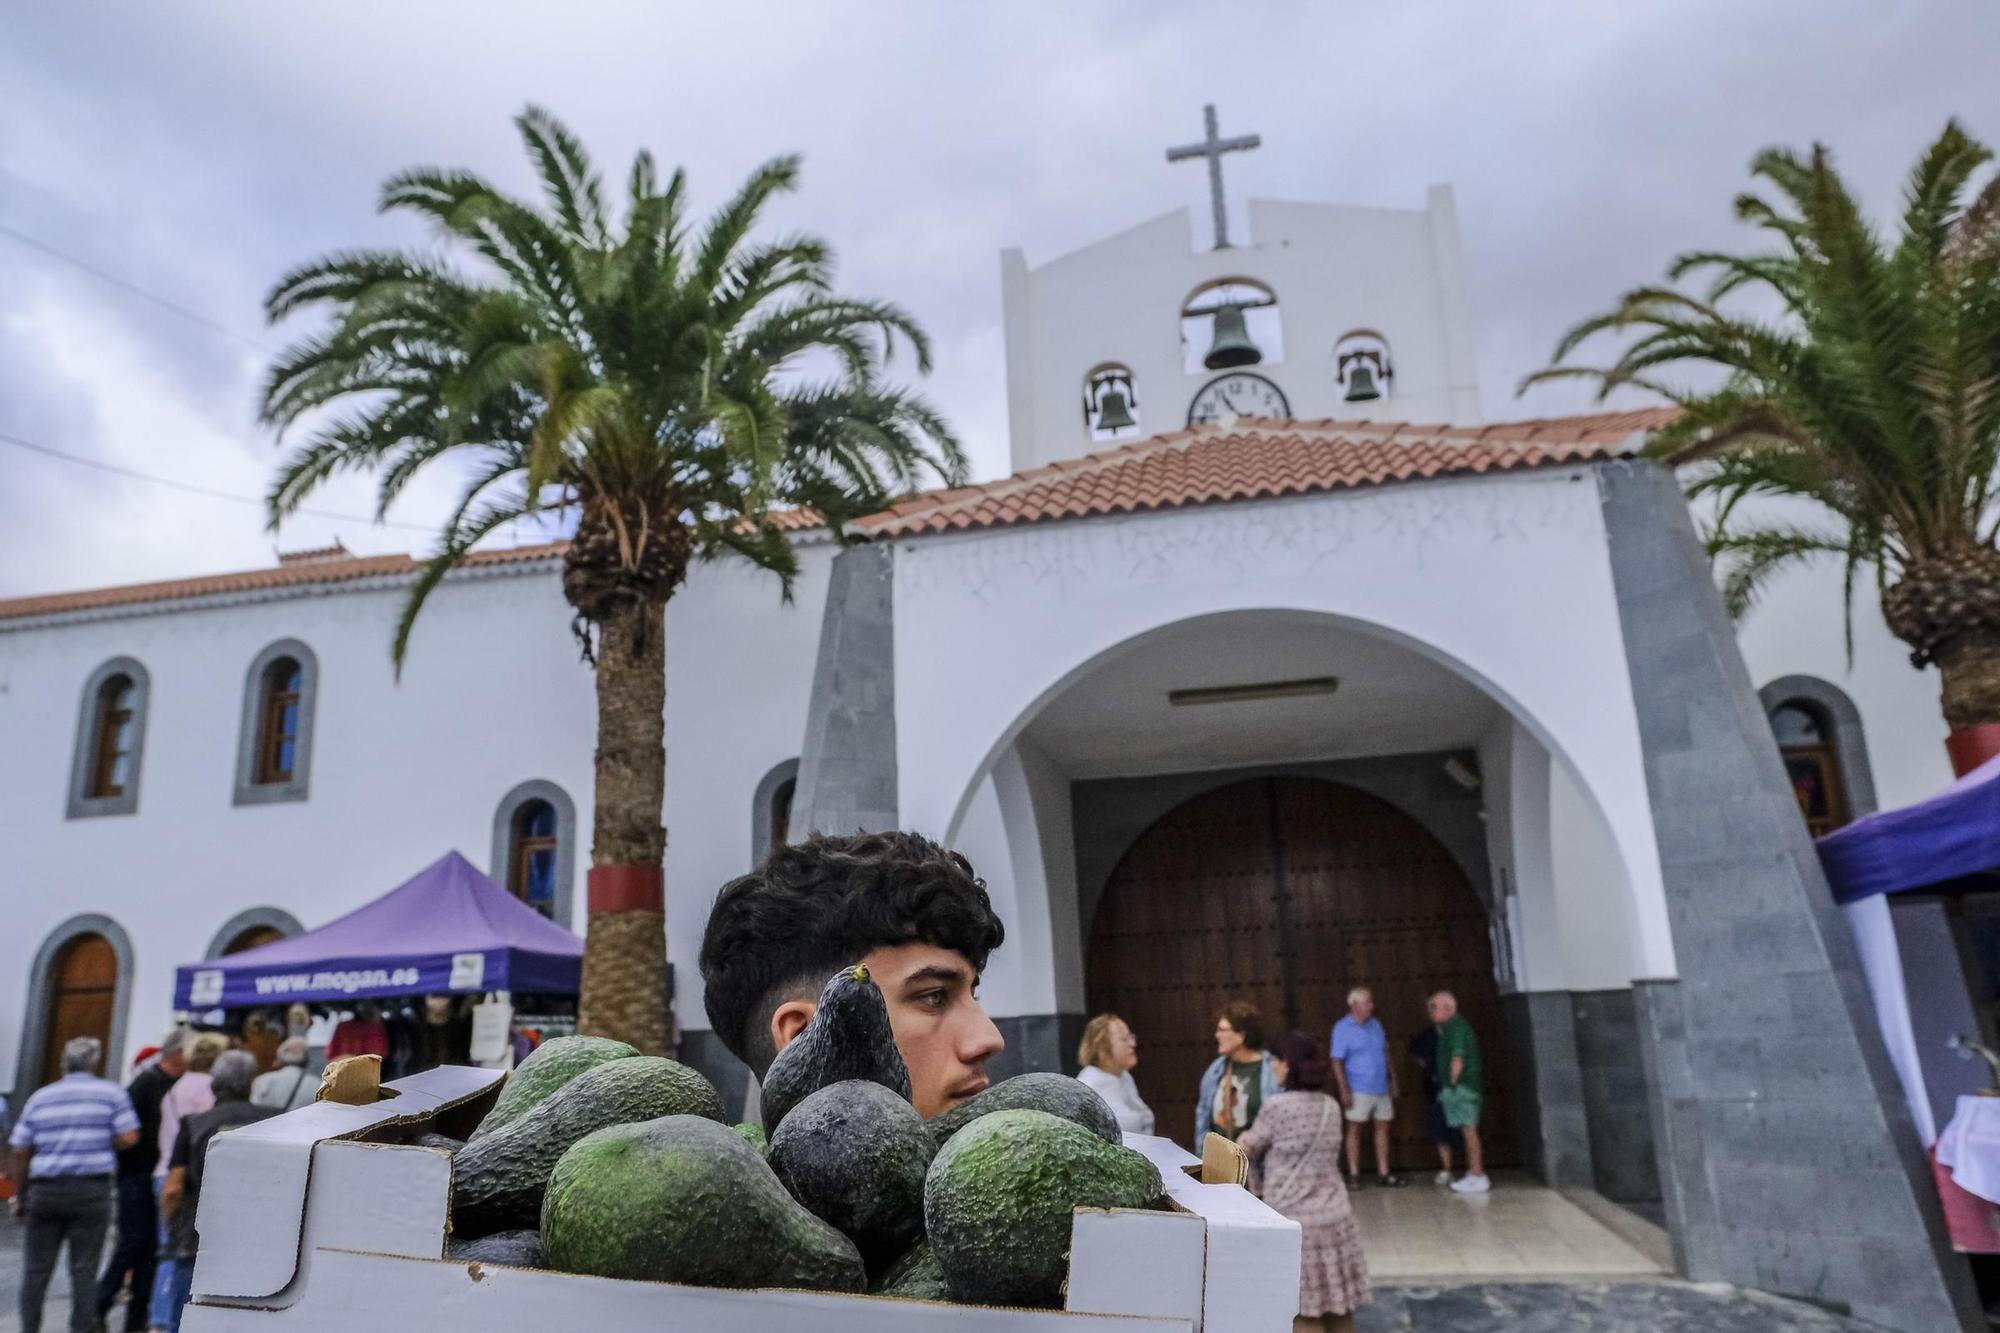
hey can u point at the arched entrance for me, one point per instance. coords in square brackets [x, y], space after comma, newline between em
[82, 998]
[1287, 892]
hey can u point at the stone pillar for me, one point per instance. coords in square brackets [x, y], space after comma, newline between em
[847, 767]
[1551, 1121]
[1787, 1158]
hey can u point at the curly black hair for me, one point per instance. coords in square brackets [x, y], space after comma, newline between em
[777, 933]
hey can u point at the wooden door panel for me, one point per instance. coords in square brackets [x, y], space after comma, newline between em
[83, 987]
[1190, 919]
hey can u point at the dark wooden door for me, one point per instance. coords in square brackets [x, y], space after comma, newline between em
[1288, 892]
[83, 987]
[263, 1029]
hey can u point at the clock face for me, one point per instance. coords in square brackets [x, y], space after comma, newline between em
[1237, 394]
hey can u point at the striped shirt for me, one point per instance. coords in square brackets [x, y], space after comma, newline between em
[71, 1124]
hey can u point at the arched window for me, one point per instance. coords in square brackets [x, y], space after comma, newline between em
[1361, 366]
[274, 746]
[1230, 322]
[1110, 403]
[1806, 745]
[1820, 742]
[531, 860]
[110, 735]
[771, 810]
[534, 847]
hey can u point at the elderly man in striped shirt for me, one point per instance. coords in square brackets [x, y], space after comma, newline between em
[66, 1146]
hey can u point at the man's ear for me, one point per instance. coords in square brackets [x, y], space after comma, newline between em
[790, 1020]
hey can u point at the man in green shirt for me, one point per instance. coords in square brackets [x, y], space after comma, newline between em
[1458, 1071]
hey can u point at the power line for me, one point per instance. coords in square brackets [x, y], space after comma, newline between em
[134, 289]
[194, 488]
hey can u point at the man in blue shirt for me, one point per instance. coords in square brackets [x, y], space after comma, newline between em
[66, 1145]
[1367, 1082]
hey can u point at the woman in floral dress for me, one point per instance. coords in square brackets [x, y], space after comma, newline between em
[1294, 1151]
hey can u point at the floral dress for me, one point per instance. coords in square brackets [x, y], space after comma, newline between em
[1294, 1151]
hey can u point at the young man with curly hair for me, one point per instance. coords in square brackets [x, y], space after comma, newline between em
[913, 911]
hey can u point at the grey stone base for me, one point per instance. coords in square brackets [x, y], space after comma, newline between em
[702, 1050]
[1623, 1163]
[1787, 1157]
[1551, 1124]
[1037, 1043]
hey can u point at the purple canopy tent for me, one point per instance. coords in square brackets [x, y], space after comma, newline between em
[1948, 837]
[449, 929]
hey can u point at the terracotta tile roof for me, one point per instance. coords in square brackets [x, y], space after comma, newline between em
[1252, 459]
[1255, 459]
[296, 574]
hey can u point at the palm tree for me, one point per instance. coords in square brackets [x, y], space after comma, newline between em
[653, 377]
[1866, 383]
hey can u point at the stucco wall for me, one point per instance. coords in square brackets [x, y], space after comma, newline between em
[1334, 269]
[1501, 578]
[494, 694]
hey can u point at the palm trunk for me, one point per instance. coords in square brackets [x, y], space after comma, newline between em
[625, 950]
[1970, 666]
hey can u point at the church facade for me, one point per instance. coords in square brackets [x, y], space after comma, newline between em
[1242, 686]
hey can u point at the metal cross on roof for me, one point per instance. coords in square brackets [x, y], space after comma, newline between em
[1212, 148]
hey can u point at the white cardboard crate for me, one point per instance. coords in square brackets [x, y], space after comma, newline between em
[319, 1221]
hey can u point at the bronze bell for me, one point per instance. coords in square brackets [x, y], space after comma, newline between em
[1113, 411]
[1361, 386]
[1231, 345]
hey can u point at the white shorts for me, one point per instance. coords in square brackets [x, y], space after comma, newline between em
[1370, 1106]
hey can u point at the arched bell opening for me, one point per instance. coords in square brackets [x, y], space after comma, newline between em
[1361, 367]
[1231, 323]
[1111, 403]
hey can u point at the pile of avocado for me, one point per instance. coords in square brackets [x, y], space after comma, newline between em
[599, 1160]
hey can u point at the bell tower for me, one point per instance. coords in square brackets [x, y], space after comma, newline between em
[1324, 311]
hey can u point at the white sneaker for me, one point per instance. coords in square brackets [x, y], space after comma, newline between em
[1472, 1185]
[1444, 1178]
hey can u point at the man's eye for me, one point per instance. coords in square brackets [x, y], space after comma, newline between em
[932, 999]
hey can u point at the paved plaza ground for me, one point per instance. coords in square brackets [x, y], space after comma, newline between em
[1632, 1302]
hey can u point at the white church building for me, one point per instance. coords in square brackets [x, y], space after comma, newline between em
[1272, 671]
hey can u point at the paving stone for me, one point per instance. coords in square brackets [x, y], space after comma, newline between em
[1573, 1307]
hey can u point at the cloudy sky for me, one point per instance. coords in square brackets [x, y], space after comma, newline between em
[194, 152]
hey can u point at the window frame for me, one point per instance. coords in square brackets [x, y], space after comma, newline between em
[112, 720]
[88, 755]
[506, 817]
[258, 781]
[1842, 750]
[522, 847]
[271, 736]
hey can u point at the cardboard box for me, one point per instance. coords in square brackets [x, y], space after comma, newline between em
[328, 1220]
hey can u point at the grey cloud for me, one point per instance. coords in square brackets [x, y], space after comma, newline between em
[203, 150]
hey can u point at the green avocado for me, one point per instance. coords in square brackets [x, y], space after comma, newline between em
[848, 1037]
[854, 1155]
[1000, 1195]
[497, 1181]
[548, 1068]
[1056, 1094]
[683, 1199]
[914, 1277]
[514, 1249]
[754, 1136]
